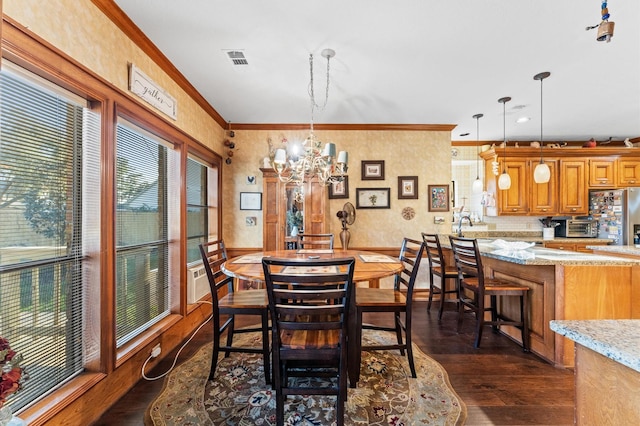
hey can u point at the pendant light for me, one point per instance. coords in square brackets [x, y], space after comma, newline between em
[541, 174]
[477, 184]
[504, 181]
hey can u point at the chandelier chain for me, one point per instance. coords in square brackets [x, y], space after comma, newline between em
[312, 96]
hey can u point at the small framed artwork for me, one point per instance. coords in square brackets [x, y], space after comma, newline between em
[438, 198]
[373, 170]
[251, 201]
[339, 189]
[372, 198]
[407, 187]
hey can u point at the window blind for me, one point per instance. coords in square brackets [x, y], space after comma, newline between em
[48, 143]
[142, 235]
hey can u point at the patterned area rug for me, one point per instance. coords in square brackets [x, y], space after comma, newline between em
[386, 393]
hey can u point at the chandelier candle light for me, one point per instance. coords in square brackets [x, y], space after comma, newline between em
[477, 184]
[504, 181]
[541, 173]
[303, 161]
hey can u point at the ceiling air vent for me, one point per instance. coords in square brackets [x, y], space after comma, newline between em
[237, 57]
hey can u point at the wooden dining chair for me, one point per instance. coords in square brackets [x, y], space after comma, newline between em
[227, 303]
[396, 300]
[475, 285]
[315, 241]
[438, 267]
[309, 327]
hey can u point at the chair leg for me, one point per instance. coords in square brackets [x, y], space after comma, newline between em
[216, 347]
[355, 355]
[494, 313]
[431, 289]
[460, 314]
[230, 330]
[399, 331]
[479, 321]
[265, 347]
[407, 332]
[443, 287]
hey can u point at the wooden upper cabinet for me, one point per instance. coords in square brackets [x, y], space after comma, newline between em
[544, 196]
[573, 187]
[628, 172]
[515, 200]
[602, 173]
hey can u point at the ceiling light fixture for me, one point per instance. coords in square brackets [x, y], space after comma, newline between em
[308, 159]
[504, 181]
[541, 173]
[477, 184]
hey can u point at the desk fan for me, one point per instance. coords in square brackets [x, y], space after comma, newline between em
[347, 216]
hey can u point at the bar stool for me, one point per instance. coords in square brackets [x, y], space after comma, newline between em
[471, 277]
[439, 268]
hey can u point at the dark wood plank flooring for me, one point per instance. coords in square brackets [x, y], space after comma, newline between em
[499, 383]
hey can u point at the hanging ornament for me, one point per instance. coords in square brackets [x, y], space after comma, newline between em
[605, 28]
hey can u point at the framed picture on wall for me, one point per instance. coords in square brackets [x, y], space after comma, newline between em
[339, 189]
[373, 170]
[407, 187]
[251, 201]
[438, 198]
[372, 198]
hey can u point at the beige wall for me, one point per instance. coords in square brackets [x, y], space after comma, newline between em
[406, 153]
[80, 30]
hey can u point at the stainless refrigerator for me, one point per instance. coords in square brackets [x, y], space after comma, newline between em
[617, 212]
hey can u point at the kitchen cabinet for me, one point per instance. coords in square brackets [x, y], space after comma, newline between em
[284, 202]
[544, 196]
[524, 197]
[628, 173]
[573, 172]
[573, 189]
[602, 173]
[514, 201]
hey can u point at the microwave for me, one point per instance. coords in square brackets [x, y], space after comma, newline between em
[577, 228]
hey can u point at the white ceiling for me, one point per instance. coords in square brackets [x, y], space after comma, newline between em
[410, 62]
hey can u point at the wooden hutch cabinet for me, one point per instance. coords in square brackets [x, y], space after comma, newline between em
[287, 200]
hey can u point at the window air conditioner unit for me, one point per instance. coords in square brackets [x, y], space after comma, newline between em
[197, 283]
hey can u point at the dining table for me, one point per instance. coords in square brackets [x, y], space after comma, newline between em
[369, 267]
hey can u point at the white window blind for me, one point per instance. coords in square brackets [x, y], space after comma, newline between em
[49, 143]
[142, 232]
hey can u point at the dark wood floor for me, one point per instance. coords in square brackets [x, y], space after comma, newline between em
[499, 383]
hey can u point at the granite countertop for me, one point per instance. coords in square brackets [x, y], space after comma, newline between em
[618, 340]
[537, 255]
[632, 250]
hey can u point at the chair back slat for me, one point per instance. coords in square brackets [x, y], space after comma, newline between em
[434, 251]
[411, 254]
[214, 254]
[468, 260]
[308, 307]
[315, 241]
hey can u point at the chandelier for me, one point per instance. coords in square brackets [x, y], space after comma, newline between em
[303, 161]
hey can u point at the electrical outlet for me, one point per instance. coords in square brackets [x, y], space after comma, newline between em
[156, 351]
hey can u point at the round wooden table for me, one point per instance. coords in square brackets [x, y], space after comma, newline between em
[370, 266]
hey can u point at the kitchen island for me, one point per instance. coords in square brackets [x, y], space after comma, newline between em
[607, 371]
[564, 285]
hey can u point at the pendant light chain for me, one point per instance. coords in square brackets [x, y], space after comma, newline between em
[312, 97]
